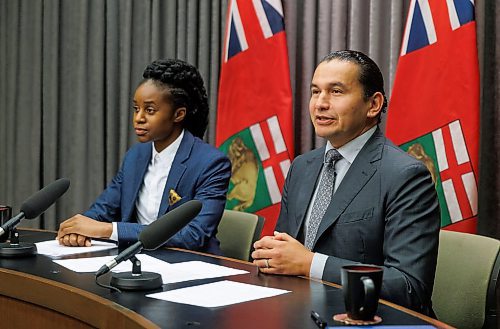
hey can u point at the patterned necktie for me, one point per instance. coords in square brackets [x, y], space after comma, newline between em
[323, 197]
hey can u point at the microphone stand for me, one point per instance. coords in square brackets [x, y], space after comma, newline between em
[14, 248]
[136, 280]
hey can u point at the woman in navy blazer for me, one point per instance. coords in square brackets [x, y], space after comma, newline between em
[170, 115]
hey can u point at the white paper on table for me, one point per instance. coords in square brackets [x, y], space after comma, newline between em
[93, 264]
[83, 265]
[170, 273]
[195, 270]
[54, 249]
[217, 294]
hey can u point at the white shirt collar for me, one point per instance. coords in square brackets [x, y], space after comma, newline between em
[169, 151]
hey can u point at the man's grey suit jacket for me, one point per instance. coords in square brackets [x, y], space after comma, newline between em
[385, 212]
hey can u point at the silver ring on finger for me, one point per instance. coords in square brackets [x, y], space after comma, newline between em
[267, 263]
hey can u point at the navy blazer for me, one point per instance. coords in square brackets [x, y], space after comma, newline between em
[384, 212]
[199, 171]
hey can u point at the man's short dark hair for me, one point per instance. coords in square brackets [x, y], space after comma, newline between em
[370, 76]
[185, 84]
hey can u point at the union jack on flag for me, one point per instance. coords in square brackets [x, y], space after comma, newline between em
[270, 17]
[420, 29]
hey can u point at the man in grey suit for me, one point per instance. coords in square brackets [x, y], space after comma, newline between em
[380, 206]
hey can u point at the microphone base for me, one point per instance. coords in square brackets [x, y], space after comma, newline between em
[143, 281]
[23, 249]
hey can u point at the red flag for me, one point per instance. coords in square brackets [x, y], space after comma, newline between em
[434, 108]
[254, 116]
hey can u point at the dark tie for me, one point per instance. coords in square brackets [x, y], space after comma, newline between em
[323, 197]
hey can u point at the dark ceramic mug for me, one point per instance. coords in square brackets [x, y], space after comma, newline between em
[361, 289]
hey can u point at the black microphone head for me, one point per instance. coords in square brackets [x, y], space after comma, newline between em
[162, 229]
[41, 200]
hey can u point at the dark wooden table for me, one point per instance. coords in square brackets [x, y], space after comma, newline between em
[36, 292]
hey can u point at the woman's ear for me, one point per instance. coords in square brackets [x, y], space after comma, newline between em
[179, 114]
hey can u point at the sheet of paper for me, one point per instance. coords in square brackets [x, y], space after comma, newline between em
[170, 273]
[54, 249]
[92, 264]
[217, 294]
[196, 270]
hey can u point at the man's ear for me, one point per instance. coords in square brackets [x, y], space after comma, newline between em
[376, 103]
[179, 114]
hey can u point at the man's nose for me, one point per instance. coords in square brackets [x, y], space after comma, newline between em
[322, 102]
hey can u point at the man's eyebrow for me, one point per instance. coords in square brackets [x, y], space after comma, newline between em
[330, 85]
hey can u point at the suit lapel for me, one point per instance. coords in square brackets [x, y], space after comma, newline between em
[310, 174]
[177, 170]
[139, 168]
[360, 172]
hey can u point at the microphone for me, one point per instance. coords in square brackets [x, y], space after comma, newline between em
[38, 203]
[31, 208]
[157, 233]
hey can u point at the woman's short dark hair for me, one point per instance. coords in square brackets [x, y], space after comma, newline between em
[186, 88]
[370, 76]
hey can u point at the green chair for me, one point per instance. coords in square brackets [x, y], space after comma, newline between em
[237, 231]
[465, 288]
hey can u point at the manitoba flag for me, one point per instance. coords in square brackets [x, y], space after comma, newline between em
[434, 108]
[254, 114]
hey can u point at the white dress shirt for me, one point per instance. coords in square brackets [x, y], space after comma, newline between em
[349, 152]
[150, 194]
